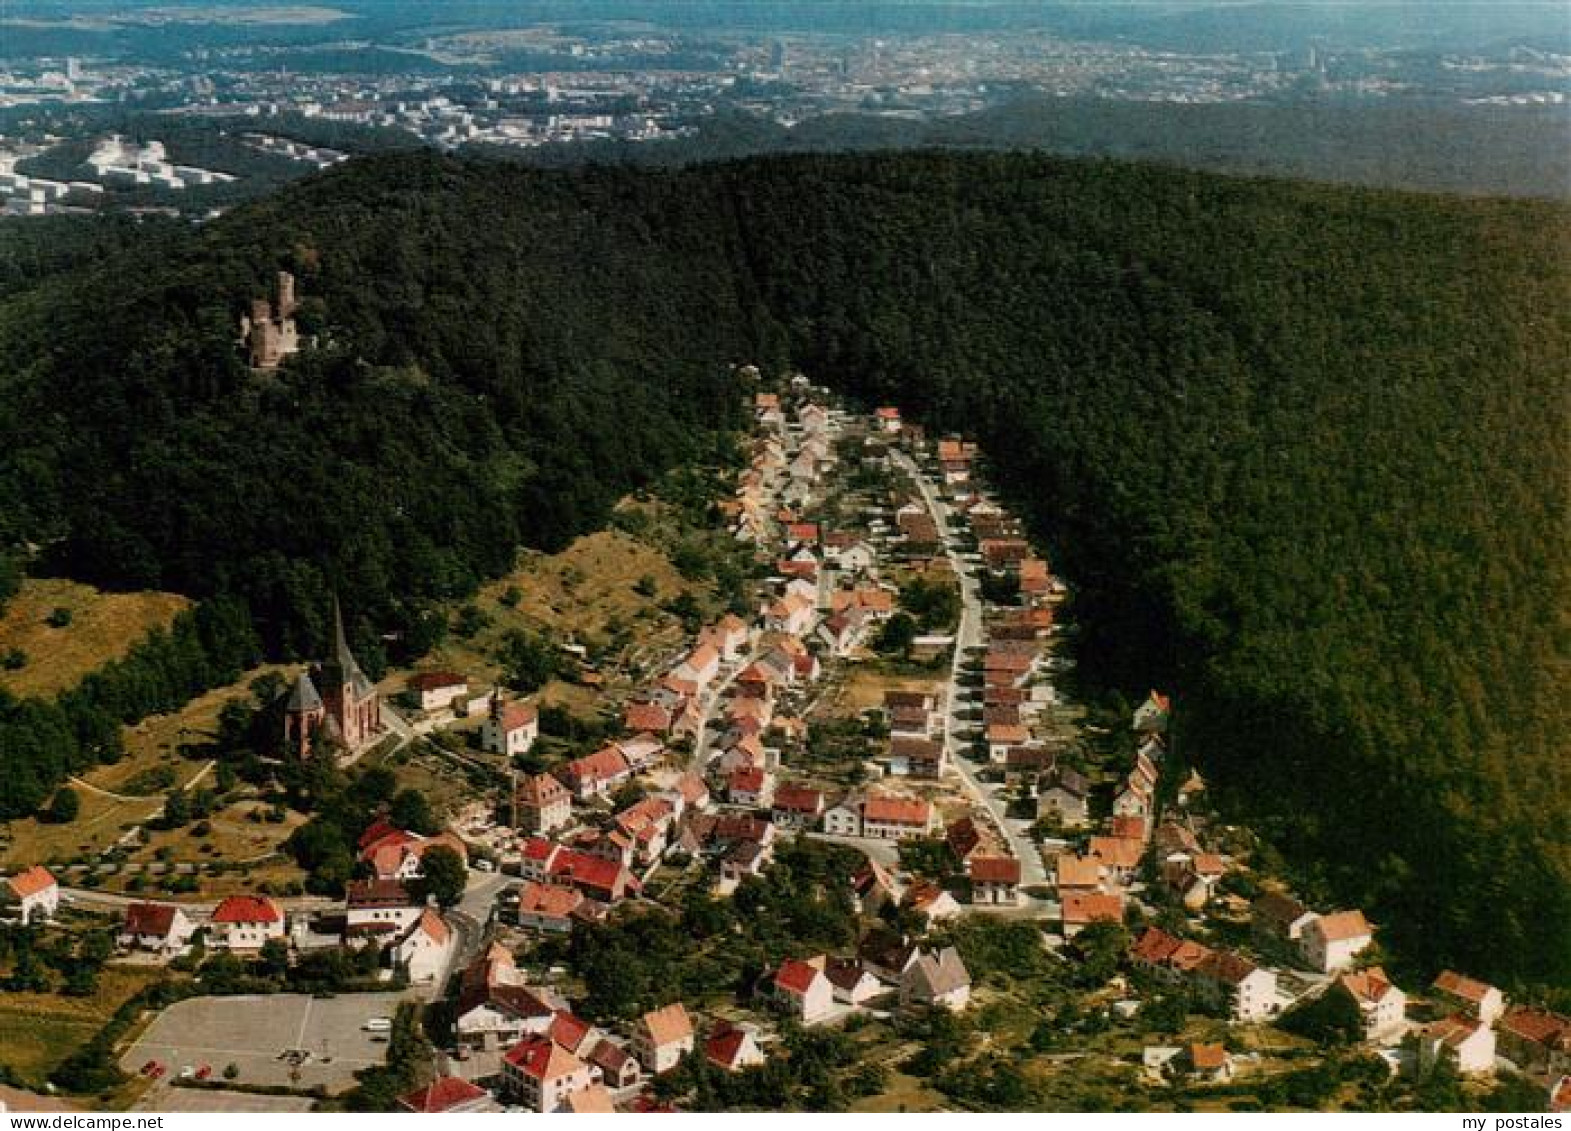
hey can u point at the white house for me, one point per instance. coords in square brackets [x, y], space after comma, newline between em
[31, 896]
[662, 1037]
[1331, 942]
[162, 928]
[890, 817]
[1467, 1043]
[437, 691]
[245, 922]
[510, 729]
[379, 907]
[936, 980]
[542, 1076]
[1469, 995]
[1381, 1005]
[424, 951]
[802, 988]
[844, 819]
[851, 981]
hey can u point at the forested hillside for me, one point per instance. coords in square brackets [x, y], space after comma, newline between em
[1300, 449]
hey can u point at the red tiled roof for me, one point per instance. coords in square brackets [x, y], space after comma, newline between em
[568, 1030]
[1155, 946]
[796, 798]
[1461, 986]
[442, 1094]
[247, 909]
[796, 977]
[1087, 907]
[31, 882]
[724, 1046]
[748, 779]
[542, 1059]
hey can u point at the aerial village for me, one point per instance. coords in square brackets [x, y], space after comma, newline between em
[885, 736]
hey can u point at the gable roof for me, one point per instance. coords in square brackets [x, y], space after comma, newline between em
[944, 972]
[668, 1025]
[143, 919]
[1341, 926]
[891, 809]
[1087, 907]
[442, 1094]
[247, 909]
[994, 869]
[796, 977]
[30, 882]
[1463, 987]
[541, 1058]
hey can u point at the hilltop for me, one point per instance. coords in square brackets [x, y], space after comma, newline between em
[1296, 446]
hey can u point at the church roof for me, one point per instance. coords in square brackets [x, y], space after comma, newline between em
[343, 666]
[303, 697]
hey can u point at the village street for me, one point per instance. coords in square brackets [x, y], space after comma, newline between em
[969, 636]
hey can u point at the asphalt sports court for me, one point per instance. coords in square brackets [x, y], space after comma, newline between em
[252, 1031]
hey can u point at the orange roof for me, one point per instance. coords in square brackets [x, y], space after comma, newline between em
[888, 809]
[1117, 851]
[1087, 907]
[1207, 1057]
[669, 1025]
[593, 1100]
[1369, 985]
[31, 882]
[432, 924]
[1078, 871]
[517, 716]
[551, 901]
[1343, 925]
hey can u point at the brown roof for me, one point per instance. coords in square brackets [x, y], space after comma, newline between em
[143, 919]
[1207, 1057]
[994, 869]
[1461, 986]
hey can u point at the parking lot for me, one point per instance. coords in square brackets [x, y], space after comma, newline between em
[257, 1033]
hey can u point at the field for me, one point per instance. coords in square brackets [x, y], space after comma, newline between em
[38, 1031]
[103, 627]
[101, 822]
[117, 797]
[154, 744]
[865, 685]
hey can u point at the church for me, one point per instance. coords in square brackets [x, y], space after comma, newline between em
[334, 700]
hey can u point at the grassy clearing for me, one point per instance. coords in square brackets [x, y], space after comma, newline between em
[606, 590]
[865, 685]
[101, 822]
[103, 627]
[38, 1031]
[155, 742]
